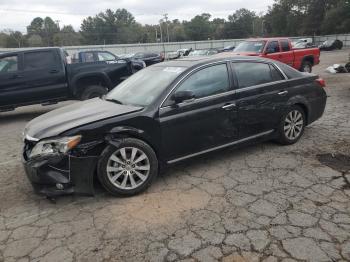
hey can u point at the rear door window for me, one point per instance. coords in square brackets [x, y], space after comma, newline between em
[273, 47]
[285, 46]
[254, 73]
[88, 57]
[8, 64]
[105, 56]
[39, 60]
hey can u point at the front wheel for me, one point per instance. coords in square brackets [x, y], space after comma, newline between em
[129, 168]
[292, 126]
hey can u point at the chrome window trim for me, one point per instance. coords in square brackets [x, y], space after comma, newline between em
[193, 101]
[234, 91]
[220, 147]
[258, 86]
[281, 71]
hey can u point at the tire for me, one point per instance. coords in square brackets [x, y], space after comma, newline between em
[285, 137]
[93, 91]
[122, 178]
[306, 66]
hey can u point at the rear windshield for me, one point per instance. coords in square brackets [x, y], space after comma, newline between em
[251, 46]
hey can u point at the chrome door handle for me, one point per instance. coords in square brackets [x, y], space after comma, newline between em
[229, 106]
[282, 93]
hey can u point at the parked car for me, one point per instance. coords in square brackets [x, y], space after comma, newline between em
[330, 45]
[164, 114]
[303, 42]
[204, 52]
[302, 45]
[105, 56]
[280, 49]
[42, 76]
[228, 48]
[149, 58]
[178, 54]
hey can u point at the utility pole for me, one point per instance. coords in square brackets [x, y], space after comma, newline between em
[167, 25]
[58, 24]
[161, 35]
[161, 31]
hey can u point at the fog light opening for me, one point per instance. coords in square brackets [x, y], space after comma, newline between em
[59, 186]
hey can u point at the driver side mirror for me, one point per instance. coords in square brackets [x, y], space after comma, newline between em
[182, 96]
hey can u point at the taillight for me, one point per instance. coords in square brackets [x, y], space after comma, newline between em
[321, 82]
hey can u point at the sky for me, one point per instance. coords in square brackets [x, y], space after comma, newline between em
[17, 14]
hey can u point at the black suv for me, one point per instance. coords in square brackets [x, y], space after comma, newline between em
[166, 113]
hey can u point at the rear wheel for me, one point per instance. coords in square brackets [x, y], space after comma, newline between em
[129, 168]
[292, 126]
[93, 91]
[306, 66]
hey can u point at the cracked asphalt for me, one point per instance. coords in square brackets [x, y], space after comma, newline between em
[260, 203]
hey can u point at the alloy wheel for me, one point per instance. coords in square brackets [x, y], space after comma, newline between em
[128, 168]
[293, 125]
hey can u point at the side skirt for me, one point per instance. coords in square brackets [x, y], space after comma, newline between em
[222, 146]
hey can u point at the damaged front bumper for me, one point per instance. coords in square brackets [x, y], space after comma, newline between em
[61, 174]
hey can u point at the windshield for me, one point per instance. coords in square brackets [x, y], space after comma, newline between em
[145, 86]
[251, 46]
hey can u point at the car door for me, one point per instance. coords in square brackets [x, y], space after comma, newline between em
[287, 55]
[262, 95]
[12, 83]
[45, 76]
[209, 120]
[272, 50]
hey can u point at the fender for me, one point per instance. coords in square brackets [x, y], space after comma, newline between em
[302, 101]
[81, 76]
[119, 132]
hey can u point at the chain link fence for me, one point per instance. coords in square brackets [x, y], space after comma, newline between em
[173, 46]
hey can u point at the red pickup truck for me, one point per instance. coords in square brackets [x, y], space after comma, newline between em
[280, 49]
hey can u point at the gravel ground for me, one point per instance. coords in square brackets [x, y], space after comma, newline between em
[262, 203]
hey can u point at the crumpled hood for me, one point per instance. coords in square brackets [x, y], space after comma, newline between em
[60, 120]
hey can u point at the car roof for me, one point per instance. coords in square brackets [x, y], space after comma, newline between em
[267, 38]
[29, 50]
[202, 60]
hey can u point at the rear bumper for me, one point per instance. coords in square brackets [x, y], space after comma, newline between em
[48, 179]
[317, 108]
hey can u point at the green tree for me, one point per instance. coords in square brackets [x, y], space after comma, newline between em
[45, 28]
[35, 40]
[240, 24]
[67, 37]
[111, 28]
[14, 38]
[199, 27]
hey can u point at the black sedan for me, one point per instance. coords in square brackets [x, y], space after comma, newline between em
[149, 58]
[330, 45]
[164, 114]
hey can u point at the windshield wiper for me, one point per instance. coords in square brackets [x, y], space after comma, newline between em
[114, 100]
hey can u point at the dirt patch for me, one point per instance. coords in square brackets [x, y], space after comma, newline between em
[338, 162]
